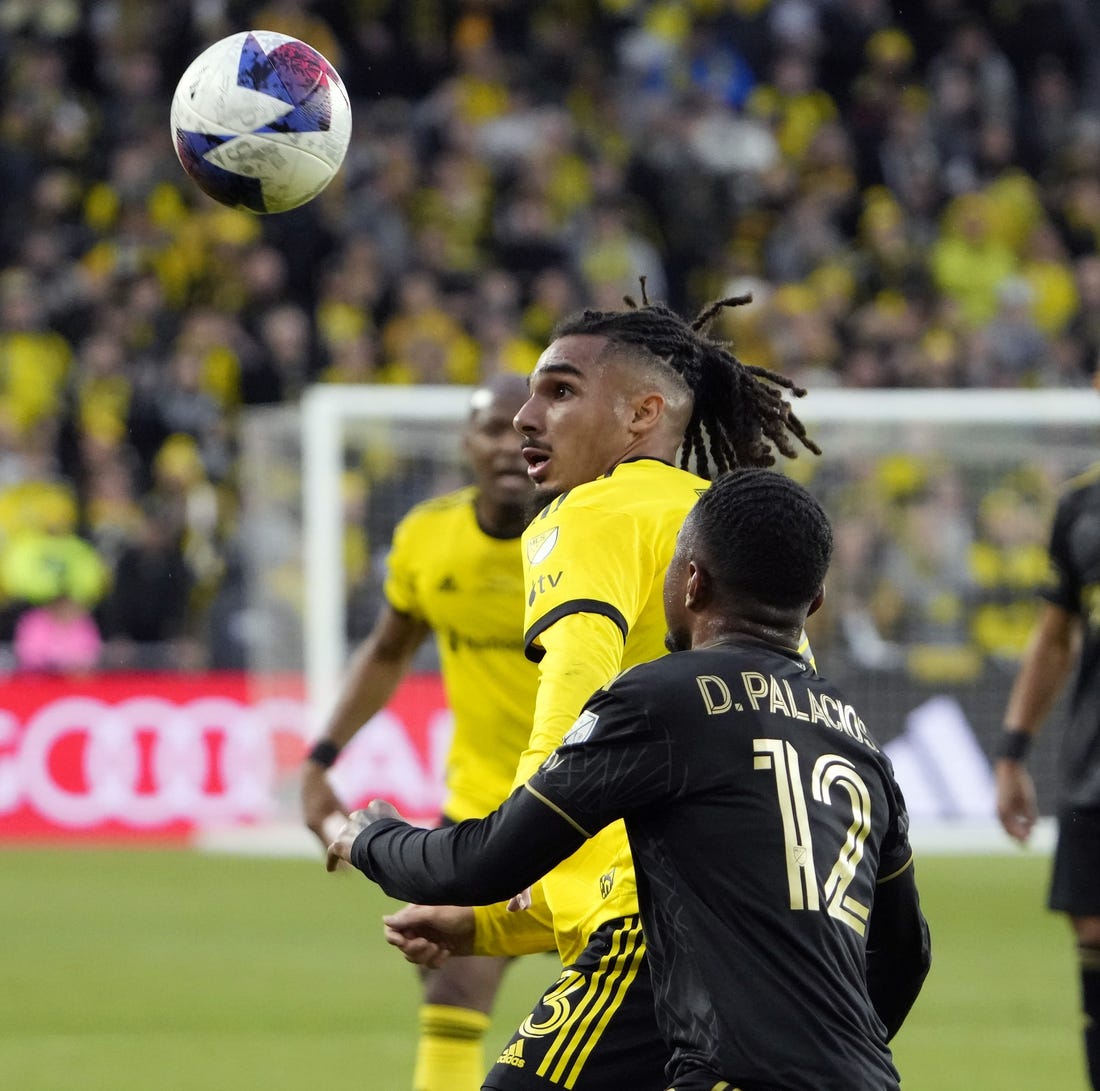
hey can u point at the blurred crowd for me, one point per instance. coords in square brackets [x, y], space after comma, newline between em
[910, 192]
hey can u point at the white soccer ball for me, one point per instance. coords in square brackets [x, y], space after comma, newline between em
[261, 121]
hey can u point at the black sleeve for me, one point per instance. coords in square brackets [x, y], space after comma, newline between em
[899, 949]
[616, 760]
[477, 862]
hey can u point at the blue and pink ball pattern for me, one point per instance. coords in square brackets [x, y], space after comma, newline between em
[261, 121]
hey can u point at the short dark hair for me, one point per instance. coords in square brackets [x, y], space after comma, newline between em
[738, 414]
[764, 536]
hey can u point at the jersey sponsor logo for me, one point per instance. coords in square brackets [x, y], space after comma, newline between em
[540, 546]
[542, 585]
[607, 883]
[457, 641]
[582, 727]
[513, 1054]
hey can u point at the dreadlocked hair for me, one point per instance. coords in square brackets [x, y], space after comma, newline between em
[739, 413]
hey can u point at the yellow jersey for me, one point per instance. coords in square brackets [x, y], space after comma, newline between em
[595, 562]
[468, 587]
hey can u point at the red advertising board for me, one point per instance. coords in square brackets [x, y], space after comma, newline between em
[140, 756]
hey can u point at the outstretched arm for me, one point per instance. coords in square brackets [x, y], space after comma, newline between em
[476, 862]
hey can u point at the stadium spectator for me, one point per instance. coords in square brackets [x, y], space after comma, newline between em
[146, 616]
[42, 557]
[58, 637]
[495, 138]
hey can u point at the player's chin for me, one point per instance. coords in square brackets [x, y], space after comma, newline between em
[542, 496]
[508, 488]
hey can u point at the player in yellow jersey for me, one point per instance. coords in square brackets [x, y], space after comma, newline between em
[612, 400]
[454, 569]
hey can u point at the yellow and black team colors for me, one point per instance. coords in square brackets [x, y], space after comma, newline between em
[785, 940]
[614, 399]
[614, 612]
[454, 572]
[464, 584]
[602, 1007]
[767, 830]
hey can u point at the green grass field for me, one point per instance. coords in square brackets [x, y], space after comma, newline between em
[142, 970]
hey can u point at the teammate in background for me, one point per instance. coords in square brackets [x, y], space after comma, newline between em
[775, 875]
[612, 400]
[454, 569]
[1066, 632]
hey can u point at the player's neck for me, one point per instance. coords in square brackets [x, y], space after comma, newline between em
[501, 520]
[731, 630]
[659, 447]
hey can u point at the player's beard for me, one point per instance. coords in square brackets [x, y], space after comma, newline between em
[679, 641]
[538, 500]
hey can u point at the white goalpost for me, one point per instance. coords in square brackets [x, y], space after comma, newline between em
[325, 411]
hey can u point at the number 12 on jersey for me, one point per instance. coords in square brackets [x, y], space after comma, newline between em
[829, 771]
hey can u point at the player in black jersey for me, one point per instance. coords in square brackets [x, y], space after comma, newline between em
[1066, 632]
[775, 876]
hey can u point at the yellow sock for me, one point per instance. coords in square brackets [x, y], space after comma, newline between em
[449, 1056]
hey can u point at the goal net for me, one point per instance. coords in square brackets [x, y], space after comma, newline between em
[941, 503]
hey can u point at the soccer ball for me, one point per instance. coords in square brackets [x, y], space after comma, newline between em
[261, 121]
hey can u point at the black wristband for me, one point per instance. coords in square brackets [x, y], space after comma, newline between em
[1014, 744]
[324, 753]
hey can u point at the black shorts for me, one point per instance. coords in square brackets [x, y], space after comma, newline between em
[1075, 880]
[594, 1029]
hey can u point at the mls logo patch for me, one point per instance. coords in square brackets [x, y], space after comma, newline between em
[551, 763]
[582, 728]
[541, 546]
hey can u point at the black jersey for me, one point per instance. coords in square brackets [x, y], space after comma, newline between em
[761, 816]
[767, 833]
[1075, 587]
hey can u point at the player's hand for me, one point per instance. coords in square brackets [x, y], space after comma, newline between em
[519, 902]
[340, 849]
[1016, 805]
[430, 934]
[320, 805]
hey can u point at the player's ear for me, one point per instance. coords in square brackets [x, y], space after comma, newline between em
[818, 599]
[649, 410]
[696, 587]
